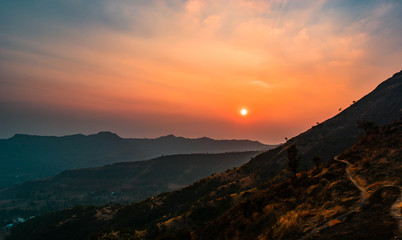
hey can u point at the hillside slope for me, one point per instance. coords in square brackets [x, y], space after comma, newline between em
[325, 203]
[25, 157]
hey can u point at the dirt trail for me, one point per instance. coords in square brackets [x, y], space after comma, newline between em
[395, 209]
[341, 218]
[363, 191]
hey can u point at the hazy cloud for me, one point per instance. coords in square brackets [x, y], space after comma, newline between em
[261, 83]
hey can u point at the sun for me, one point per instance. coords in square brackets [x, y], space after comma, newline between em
[243, 112]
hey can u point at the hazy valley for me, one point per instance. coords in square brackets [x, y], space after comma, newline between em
[26, 157]
[118, 183]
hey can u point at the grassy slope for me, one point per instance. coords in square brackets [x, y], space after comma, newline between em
[289, 210]
[377, 166]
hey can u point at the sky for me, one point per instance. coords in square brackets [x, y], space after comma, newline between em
[148, 68]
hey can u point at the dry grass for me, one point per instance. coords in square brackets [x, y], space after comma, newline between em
[105, 214]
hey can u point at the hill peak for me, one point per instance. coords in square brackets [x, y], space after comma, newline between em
[105, 134]
[397, 74]
[168, 136]
[19, 135]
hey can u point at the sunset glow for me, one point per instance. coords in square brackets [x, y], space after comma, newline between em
[151, 68]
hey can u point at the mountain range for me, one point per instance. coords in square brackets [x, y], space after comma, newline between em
[26, 157]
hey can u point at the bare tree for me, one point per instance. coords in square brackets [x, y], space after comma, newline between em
[294, 157]
[317, 160]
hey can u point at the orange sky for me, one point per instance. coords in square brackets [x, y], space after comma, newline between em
[151, 68]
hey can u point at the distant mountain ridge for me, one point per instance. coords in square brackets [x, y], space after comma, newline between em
[26, 157]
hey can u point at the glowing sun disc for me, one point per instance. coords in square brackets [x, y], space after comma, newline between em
[243, 112]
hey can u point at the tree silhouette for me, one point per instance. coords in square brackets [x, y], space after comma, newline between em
[317, 160]
[294, 157]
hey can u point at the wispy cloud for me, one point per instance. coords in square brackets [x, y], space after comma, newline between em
[261, 84]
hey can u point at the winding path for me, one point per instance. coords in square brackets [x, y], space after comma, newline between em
[395, 210]
[363, 191]
[341, 218]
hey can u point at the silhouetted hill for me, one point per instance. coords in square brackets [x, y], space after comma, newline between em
[26, 157]
[120, 183]
[330, 138]
[256, 201]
